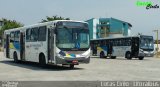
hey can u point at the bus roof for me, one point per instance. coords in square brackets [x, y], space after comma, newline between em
[120, 37]
[41, 24]
[114, 37]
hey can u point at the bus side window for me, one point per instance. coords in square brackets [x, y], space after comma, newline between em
[17, 35]
[115, 42]
[110, 42]
[28, 35]
[125, 42]
[42, 33]
[98, 44]
[129, 41]
[122, 42]
[12, 36]
[102, 43]
[34, 34]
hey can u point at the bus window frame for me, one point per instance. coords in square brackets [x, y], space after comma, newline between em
[28, 35]
[35, 34]
[12, 37]
[40, 28]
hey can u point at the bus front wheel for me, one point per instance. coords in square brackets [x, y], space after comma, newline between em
[128, 55]
[141, 58]
[113, 57]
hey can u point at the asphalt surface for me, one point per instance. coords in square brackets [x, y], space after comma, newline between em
[119, 69]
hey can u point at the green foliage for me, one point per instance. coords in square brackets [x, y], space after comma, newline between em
[54, 18]
[9, 24]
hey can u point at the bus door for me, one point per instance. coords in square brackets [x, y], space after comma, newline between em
[135, 46]
[7, 46]
[95, 45]
[22, 46]
[51, 45]
[110, 49]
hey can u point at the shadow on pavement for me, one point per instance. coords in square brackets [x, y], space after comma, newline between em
[35, 66]
[118, 58]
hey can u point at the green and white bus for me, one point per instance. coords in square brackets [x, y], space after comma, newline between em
[63, 42]
[128, 47]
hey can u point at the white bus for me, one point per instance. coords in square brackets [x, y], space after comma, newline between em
[128, 47]
[63, 42]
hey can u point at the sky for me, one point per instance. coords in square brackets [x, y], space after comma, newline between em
[33, 11]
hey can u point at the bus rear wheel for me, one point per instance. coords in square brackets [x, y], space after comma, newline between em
[15, 57]
[128, 55]
[42, 61]
[113, 57]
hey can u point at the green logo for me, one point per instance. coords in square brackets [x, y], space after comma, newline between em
[143, 3]
[147, 4]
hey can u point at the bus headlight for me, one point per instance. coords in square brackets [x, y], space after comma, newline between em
[87, 53]
[60, 56]
[141, 50]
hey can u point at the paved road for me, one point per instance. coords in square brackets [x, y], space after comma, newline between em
[99, 69]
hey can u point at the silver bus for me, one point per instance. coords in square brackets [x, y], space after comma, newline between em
[63, 42]
[128, 47]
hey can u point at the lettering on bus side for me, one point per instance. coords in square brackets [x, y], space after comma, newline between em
[34, 45]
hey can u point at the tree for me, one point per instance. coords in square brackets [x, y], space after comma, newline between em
[9, 24]
[54, 18]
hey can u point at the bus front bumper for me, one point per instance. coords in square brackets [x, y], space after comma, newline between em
[74, 61]
[141, 54]
[149, 54]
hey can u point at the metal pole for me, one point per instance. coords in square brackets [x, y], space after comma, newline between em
[157, 43]
[157, 40]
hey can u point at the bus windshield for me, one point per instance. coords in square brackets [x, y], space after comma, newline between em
[147, 43]
[76, 38]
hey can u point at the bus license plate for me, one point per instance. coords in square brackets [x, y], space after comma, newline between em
[75, 62]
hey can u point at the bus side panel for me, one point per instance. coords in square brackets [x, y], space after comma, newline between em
[27, 50]
[33, 50]
[120, 51]
[102, 49]
[42, 49]
[14, 47]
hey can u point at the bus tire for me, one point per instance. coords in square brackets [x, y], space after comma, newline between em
[15, 57]
[113, 57]
[128, 55]
[141, 57]
[42, 60]
[101, 54]
[71, 66]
